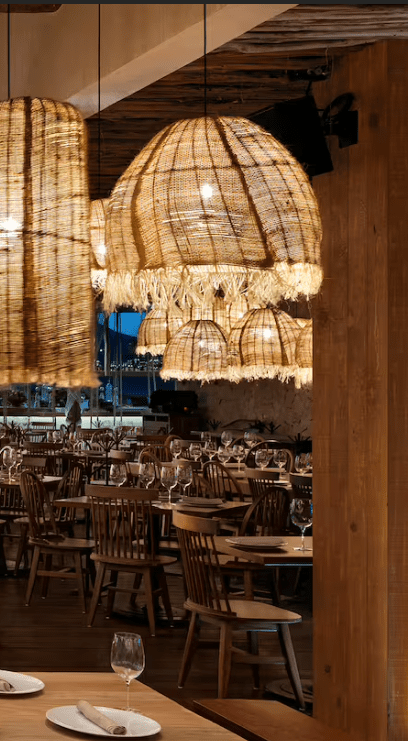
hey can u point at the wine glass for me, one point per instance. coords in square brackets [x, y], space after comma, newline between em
[195, 451]
[117, 474]
[238, 452]
[147, 474]
[184, 477]
[18, 459]
[224, 454]
[127, 658]
[227, 438]
[250, 438]
[301, 514]
[309, 463]
[210, 449]
[9, 459]
[301, 463]
[261, 458]
[175, 448]
[205, 438]
[168, 477]
[280, 457]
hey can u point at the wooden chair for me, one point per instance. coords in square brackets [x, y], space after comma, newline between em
[13, 512]
[126, 541]
[35, 463]
[47, 541]
[70, 486]
[223, 483]
[302, 486]
[35, 436]
[208, 602]
[259, 480]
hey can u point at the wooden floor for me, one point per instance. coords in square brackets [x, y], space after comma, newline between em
[51, 635]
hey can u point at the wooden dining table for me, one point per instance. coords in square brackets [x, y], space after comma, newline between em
[285, 555]
[23, 717]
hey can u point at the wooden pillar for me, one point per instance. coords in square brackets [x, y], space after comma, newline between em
[360, 415]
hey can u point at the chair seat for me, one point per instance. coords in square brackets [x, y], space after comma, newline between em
[247, 610]
[129, 561]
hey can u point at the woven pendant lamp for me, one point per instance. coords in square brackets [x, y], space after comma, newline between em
[197, 352]
[98, 244]
[262, 345]
[222, 313]
[157, 329]
[233, 210]
[46, 301]
[304, 355]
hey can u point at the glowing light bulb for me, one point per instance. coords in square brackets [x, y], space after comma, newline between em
[267, 334]
[10, 225]
[206, 191]
[102, 248]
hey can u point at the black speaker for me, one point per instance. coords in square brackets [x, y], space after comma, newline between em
[297, 124]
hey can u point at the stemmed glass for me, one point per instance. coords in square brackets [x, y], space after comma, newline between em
[238, 452]
[227, 438]
[127, 658]
[301, 514]
[280, 457]
[205, 438]
[18, 459]
[195, 451]
[250, 438]
[147, 474]
[261, 458]
[184, 477]
[118, 473]
[9, 459]
[301, 463]
[175, 448]
[224, 454]
[168, 477]
[309, 463]
[210, 449]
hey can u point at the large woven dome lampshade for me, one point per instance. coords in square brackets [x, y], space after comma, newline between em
[212, 203]
[46, 301]
[156, 330]
[98, 244]
[304, 355]
[263, 345]
[197, 352]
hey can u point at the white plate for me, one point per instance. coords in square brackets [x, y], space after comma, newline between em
[257, 541]
[201, 502]
[23, 683]
[138, 726]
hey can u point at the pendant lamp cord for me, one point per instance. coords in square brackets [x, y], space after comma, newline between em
[205, 59]
[8, 52]
[99, 100]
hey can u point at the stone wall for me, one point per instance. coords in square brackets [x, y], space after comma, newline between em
[266, 400]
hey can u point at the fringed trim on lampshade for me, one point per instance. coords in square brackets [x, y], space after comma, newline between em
[262, 345]
[46, 301]
[197, 352]
[233, 210]
[157, 329]
[304, 355]
[98, 244]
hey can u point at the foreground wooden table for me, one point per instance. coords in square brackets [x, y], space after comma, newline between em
[285, 556]
[266, 720]
[23, 717]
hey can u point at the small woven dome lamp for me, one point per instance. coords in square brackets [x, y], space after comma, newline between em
[262, 345]
[304, 355]
[98, 244]
[157, 329]
[233, 210]
[197, 352]
[222, 313]
[46, 301]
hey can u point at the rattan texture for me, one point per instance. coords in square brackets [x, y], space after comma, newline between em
[263, 345]
[46, 301]
[197, 352]
[304, 355]
[98, 244]
[157, 329]
[221, 312]
[258, 233]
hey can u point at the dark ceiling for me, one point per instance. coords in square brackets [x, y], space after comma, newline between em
[274, 62]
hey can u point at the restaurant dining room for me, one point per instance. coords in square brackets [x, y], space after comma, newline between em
[203, 467]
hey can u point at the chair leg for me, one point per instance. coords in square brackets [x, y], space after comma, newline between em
[80, 578]
[22, 547]
[100, 573]
[46, 579]
[224, 659]
[136, 584]
[285, 641]
[150, 601]
[33, 574]
[189, 649]
[165, 594]
[253, 647]
[111, 593]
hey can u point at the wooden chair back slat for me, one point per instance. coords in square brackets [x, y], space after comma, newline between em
[223, 483]
[40, 514]
[268, 514]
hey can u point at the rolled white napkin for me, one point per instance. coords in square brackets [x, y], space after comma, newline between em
[101, 720]
[6, 686]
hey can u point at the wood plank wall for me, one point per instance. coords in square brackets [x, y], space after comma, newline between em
[359, 419]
